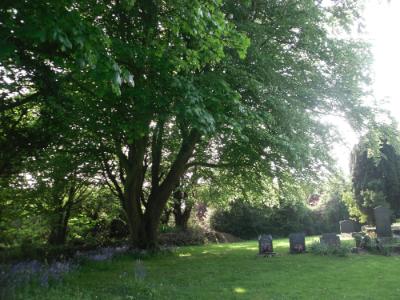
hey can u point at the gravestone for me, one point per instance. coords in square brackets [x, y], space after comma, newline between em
[265, 244]
[297, 242]
[382, 221]
[346, 226]
[330, 239]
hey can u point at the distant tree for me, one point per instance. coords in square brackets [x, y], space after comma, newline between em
[375, 168]
[184, 199]
[332, 206]
[61, 181]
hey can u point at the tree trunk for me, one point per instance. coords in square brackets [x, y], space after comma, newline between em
[143, 217]
[58, 234]
[166, 215]
[182, 210]
[182, 219]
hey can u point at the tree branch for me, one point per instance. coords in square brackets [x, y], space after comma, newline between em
[209, 165]
[157, 199]
[112, 177]
[4, 107]
[124, 161]
[156, 149]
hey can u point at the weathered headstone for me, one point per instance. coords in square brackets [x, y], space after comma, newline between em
[346, 226]
[382, 221]
[330, 239]
[265, 244]
[297, 242]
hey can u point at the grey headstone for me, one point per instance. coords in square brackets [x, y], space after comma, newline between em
[297, 242]
[346, 226]
[383, 221]
[265, 244]
[330, 239]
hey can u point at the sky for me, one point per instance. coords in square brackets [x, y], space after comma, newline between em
[382, 20]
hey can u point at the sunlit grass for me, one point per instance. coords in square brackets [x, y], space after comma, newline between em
[239, 290]
[232, 271]
[184, 254]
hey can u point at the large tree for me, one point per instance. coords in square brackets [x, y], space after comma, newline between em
[171, 89]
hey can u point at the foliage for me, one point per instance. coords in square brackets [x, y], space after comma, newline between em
[92, 224]
[284, 210]
[241, 220]
[183, 201]
[324, 249]
[43, 42]
[183, 238]
[382, 246]
[376, 170]
[247, 221]
[26, 220]
[354, 211]
[283, 103]
[194, 236]
[332, 206]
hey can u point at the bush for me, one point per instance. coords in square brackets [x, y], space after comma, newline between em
[247, 221]
[379, 246]
[242, 220]
[324, 249]
[183, 238]
[358, 238]
[194, 236]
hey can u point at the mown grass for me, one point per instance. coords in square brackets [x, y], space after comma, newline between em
[230, 271]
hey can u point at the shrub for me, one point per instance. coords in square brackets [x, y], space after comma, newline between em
[247, 221]
[192, 236]
[358, 237]
[377, 246]
[385, 250]
[242, 220]
[324, 249]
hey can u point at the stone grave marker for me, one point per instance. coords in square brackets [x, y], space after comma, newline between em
[265, 244]
[330, 239]
[382, 221]
[346, 226]
[297, 242]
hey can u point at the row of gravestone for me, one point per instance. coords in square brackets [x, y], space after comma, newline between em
[382, 220]
[297, 242]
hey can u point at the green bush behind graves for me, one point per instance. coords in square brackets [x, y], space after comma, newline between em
[247, 220]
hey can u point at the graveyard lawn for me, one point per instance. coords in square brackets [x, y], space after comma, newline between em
[230, 271]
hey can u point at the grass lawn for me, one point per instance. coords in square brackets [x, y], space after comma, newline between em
[231, 271]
